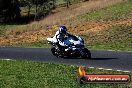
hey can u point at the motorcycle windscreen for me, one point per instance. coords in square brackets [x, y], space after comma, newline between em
[70, 40]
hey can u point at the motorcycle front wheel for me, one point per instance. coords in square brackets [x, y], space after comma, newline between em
[87, 54]
[53, 50]
[56, 52]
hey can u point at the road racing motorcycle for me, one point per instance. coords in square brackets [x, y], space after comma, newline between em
[74, 47]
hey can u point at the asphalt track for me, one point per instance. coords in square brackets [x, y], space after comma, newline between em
[100, 58]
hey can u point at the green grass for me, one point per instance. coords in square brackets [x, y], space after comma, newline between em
[4, 27]
[30, 74]
[115, 38]
[59, 2]
[63, 2]
[115, 12]
[25, 10]
[37, 44]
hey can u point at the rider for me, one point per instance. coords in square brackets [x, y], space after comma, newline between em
[60, 35]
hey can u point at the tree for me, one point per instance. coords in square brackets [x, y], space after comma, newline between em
[9, 10]
[67, 3]
[43, 7]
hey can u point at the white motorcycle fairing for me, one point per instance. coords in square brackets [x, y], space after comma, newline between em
[52, 40]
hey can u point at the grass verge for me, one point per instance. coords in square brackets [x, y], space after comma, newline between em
[4, 27]
[115, 38]
[30, 74]
[116, 12]
[37, 44]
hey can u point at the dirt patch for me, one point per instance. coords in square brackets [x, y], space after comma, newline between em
[42, 34]
[98, 26]
[78, 9]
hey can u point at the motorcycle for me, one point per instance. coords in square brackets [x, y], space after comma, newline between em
[74, 47]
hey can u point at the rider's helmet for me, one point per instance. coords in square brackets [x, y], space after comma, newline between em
[62, 30]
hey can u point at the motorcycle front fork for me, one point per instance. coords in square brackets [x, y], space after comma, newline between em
[81, 52]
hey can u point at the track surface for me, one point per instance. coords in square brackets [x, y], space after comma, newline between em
[100, 58]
